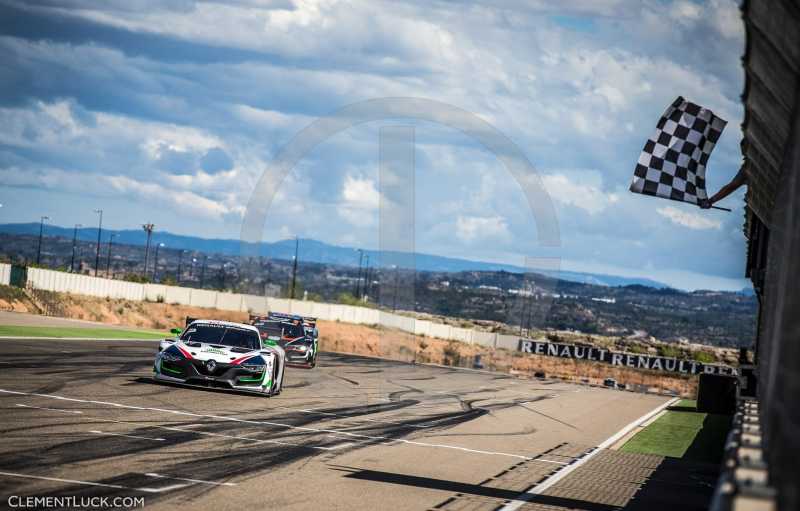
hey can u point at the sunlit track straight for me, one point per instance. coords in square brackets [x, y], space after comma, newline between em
[405, 444]
[381, 439]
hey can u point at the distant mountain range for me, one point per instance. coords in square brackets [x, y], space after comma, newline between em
[313, 251]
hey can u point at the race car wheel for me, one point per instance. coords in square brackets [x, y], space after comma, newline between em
[277, 391]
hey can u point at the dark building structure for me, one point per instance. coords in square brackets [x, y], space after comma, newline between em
[771, 150]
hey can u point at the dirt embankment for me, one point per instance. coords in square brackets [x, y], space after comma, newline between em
[357, 339]
[396, 345]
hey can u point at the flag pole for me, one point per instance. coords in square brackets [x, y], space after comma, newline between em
[678, 200]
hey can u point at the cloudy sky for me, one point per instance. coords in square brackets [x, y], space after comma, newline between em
[170, 112]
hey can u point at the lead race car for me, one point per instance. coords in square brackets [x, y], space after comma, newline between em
[221, 354]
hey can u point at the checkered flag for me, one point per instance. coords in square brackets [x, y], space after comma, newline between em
[673, 162]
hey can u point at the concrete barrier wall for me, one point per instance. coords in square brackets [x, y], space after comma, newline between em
[5, 274]
[509, 342]
[50, 280]
[155, 292]
[229, 302]
[178, 295]
[254, 304]
[440, 331]
[203, 298]
[483, 338]
[92, 286]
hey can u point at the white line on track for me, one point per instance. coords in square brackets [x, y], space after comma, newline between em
[187, 429]
[368, 438]
[91, 483]
[346, 417]
[552, 461]
[531, 493]
[198, 481]
[246, 439]
[97, 432]
[49, 409]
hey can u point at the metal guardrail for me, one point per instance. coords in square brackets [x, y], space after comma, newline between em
[744, 481]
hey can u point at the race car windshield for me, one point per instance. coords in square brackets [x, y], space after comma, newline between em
[223, 336]
[290, 330]
[269, 329]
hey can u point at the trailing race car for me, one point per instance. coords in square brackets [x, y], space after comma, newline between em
[221, 354]
[300, 345]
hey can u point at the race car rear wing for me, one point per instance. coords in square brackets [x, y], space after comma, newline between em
[309, 320]
[284, 316]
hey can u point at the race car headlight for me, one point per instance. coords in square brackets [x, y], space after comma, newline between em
[254, 368]
[301, 348]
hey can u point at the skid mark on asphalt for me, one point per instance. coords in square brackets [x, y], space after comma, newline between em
[135, 437]
[198, 481]
[49, 409]
[187, 429]
[356, 436]
[92, 483]
[357, 419]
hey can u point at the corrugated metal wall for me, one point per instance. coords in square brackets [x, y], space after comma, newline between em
[772, 154]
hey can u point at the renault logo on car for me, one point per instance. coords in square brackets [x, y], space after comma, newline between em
[211, 365]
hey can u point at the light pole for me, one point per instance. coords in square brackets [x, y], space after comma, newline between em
[108, 259]
[294, 267]
[396, 285]
[99, 230]
[266, 279]
[74, 242]
[155, 262]
[41, 234]
[180, 263]
[203, 271]
[148, 228]
[366, 276]
[358, 280]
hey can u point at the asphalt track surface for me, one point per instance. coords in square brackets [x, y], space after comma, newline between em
[85, 418]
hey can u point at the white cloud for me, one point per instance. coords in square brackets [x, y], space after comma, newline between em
[359, 201]
[686, 12]
[727, 18]
[691, 220]
[579, 93]
[360, 193]
[580, 189]
[472, 228]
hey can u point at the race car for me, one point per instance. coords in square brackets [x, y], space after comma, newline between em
[221, 354]
[300, 345]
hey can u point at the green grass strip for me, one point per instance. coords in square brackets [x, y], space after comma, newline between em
[683, 432]
[67, 332]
